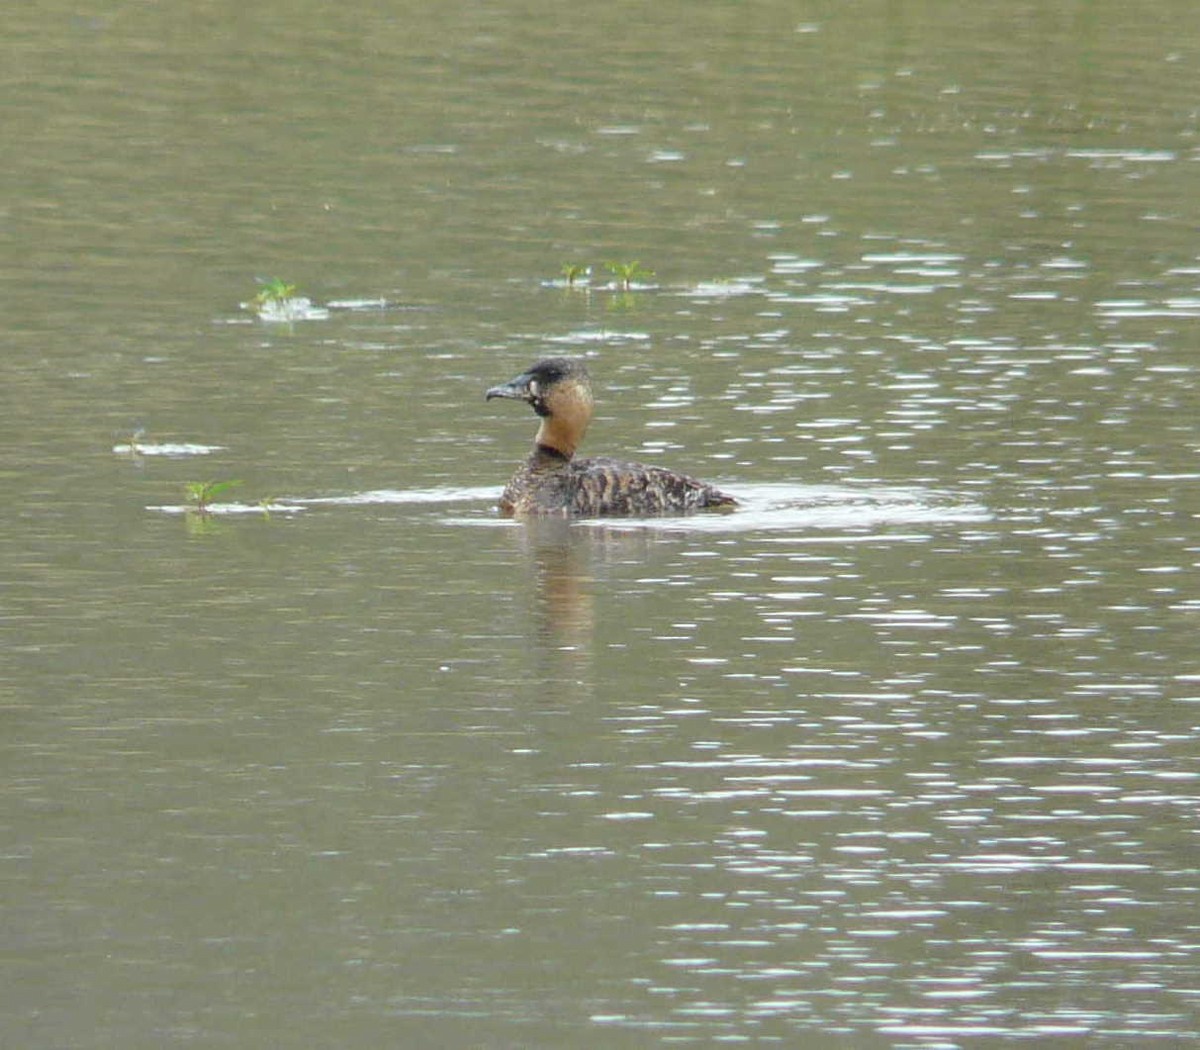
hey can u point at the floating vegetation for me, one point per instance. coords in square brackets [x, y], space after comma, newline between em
[628, 273]
[629, 276]
[277, 301]
[576, 273]
[200, 494]
[273, 292]
[572, 277]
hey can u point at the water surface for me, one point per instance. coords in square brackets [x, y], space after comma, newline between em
[899, 754]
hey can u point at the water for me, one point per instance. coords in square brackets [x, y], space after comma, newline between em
[901, 753]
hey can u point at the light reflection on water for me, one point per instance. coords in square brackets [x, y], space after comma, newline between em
[876, 824]
[843, 797]
[770, 507]
[863, 876]
[867, 814]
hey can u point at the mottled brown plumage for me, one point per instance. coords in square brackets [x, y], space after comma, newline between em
[553, 482]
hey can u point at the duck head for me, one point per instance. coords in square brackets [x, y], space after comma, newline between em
[559, 390]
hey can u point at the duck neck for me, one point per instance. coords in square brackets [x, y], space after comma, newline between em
[558, 438]
[549, 456]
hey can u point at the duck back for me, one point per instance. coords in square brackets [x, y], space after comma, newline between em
[548, 484]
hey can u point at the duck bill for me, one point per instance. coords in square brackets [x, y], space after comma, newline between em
[515, 389]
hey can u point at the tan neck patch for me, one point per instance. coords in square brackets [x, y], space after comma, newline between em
[570, 406]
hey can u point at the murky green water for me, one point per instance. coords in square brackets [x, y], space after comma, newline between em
[900, 754]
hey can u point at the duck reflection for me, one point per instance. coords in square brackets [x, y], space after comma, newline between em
[561, 571]
[564, 561]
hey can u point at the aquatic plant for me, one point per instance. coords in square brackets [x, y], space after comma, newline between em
[628, 272]
[274, 293]
[574, 273]
[200, 494]
[277, 301]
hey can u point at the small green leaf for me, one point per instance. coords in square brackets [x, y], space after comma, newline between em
[574, 271]
[627, 272]
[202, 493]
[276, 290]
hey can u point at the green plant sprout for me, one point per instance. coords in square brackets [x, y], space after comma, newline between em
[274, 292]
[575, 272]
[627, 273]
[200, 494]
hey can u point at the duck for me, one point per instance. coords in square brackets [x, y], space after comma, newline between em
[553, 482]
